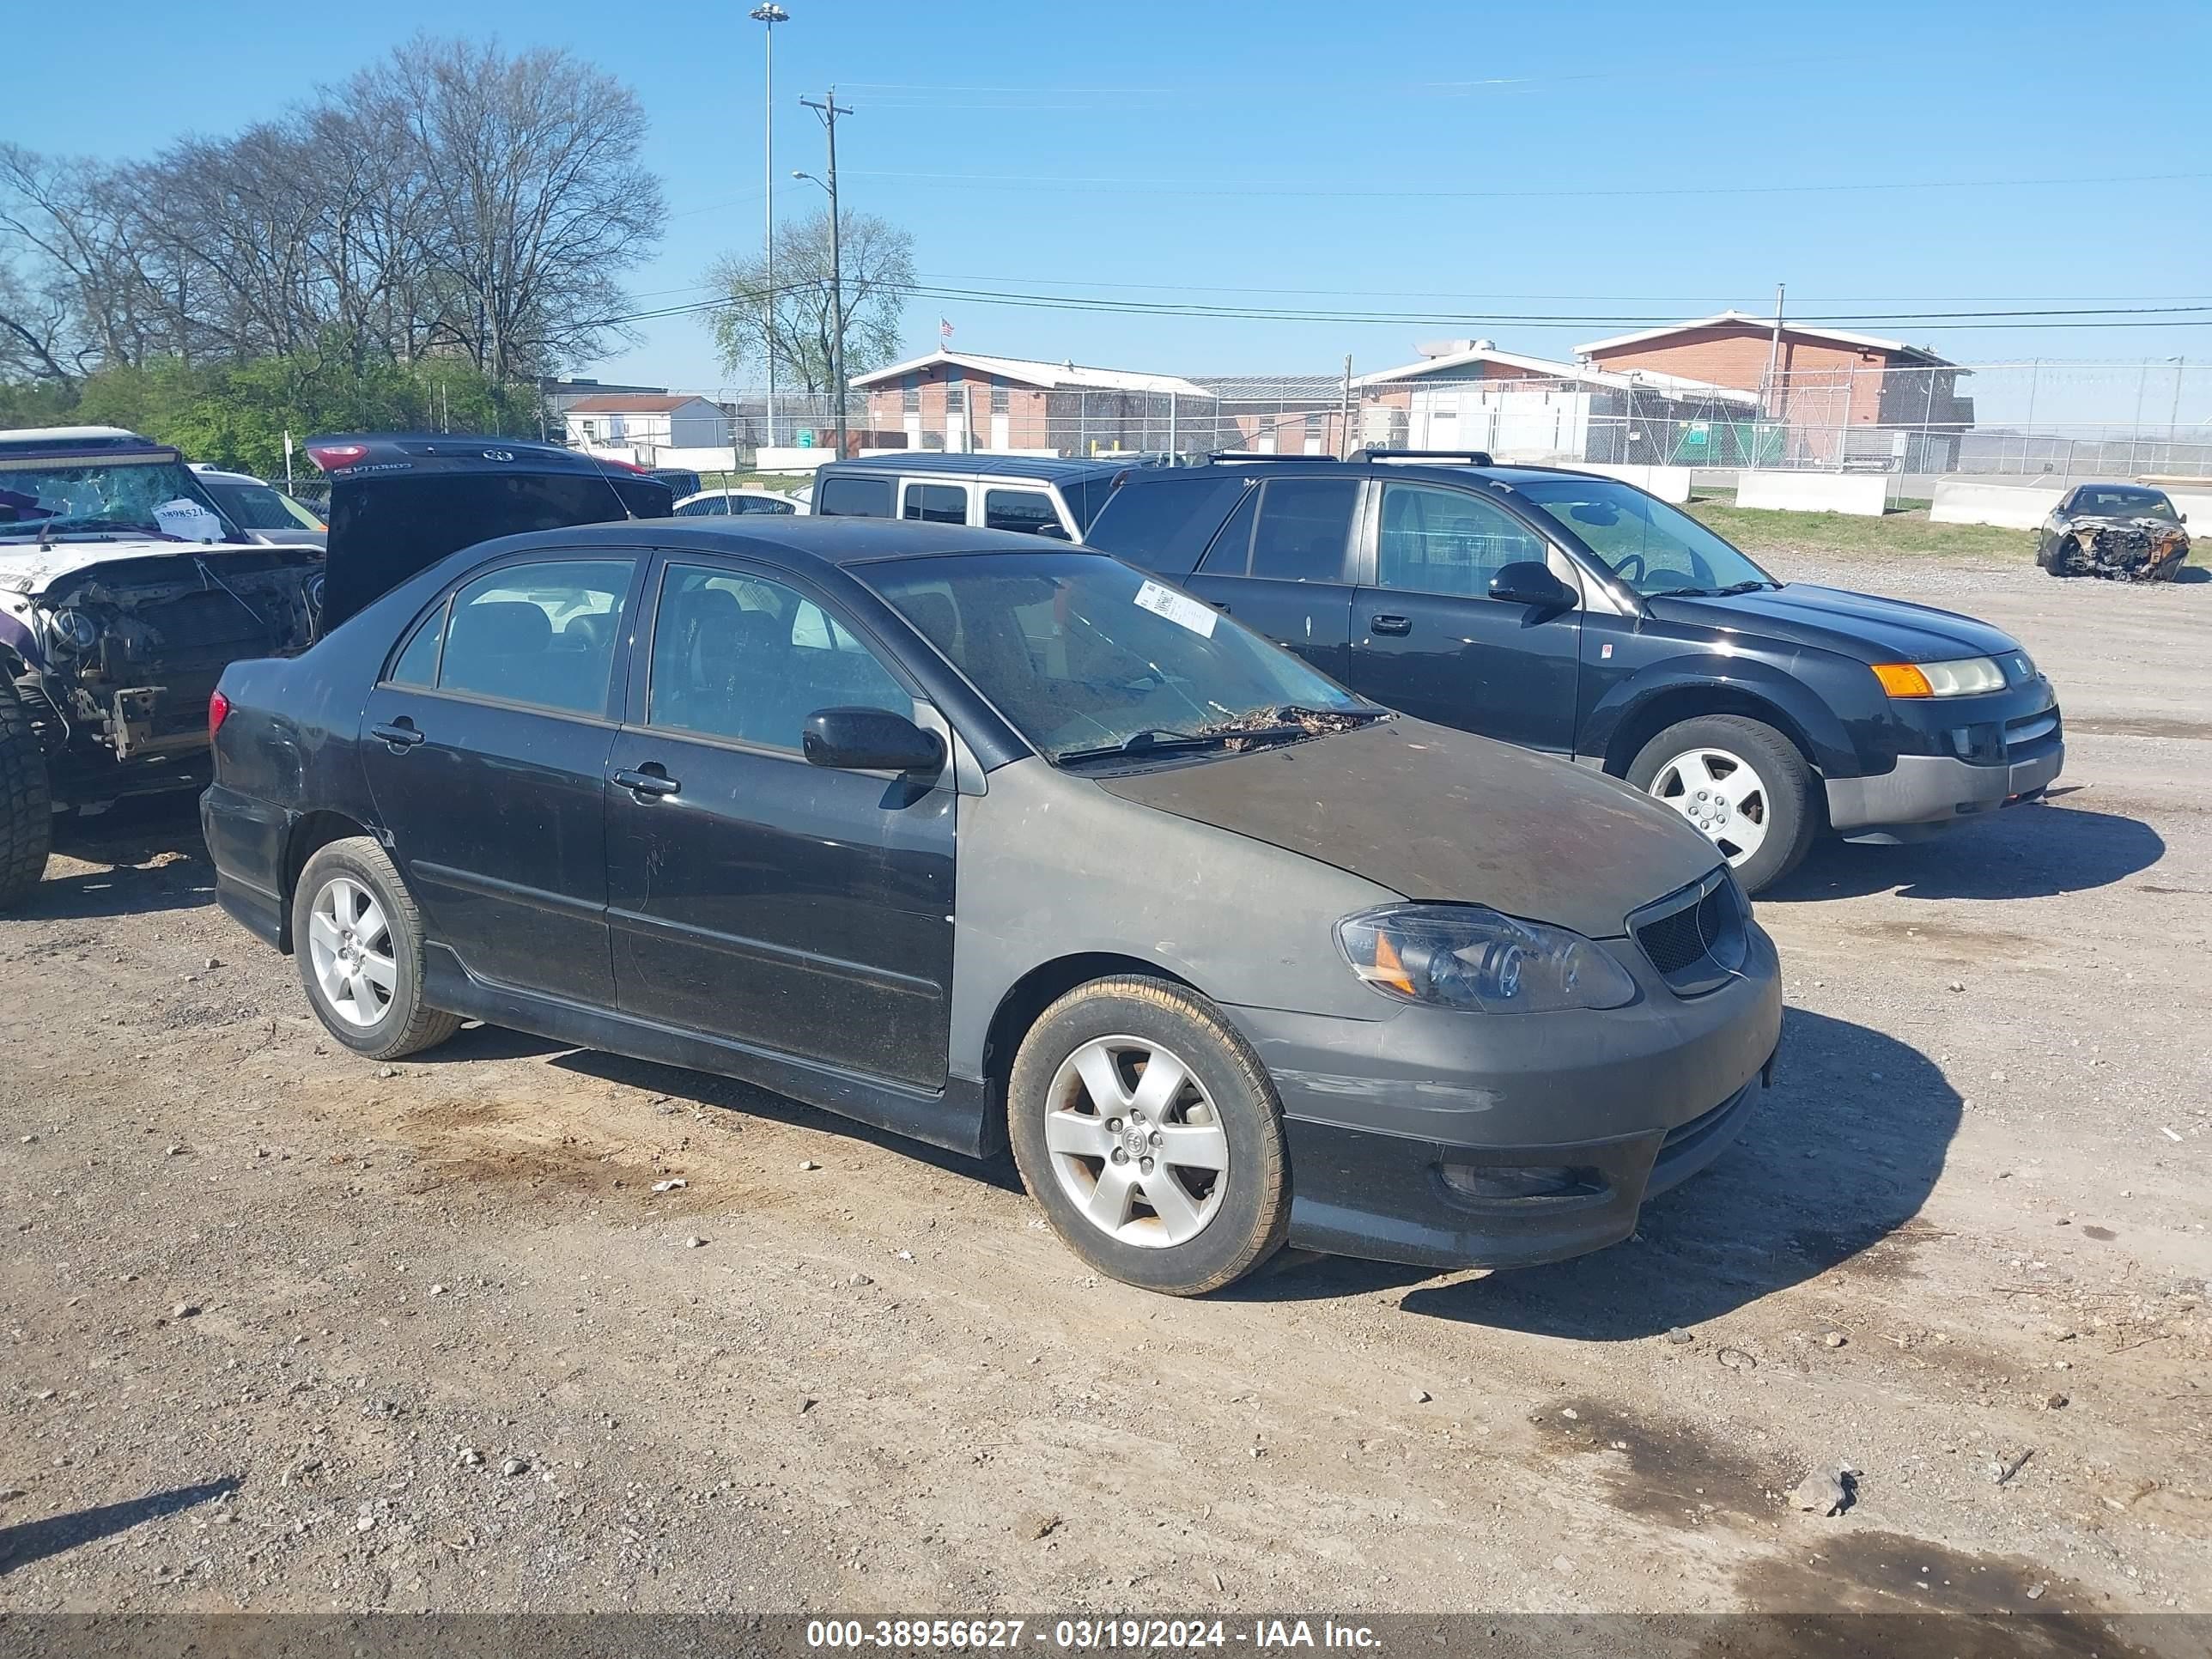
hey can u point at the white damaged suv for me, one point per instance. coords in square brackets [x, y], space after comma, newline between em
[125, 592]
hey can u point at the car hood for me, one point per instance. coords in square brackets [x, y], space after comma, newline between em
[1857, 625]
[25, 568]
[1435, 813]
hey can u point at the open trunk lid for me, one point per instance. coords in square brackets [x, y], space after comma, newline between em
[399, 504]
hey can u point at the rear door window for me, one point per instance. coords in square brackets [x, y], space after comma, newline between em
[935, 503]
[1305, 532]
[537, 633]
[855, 498]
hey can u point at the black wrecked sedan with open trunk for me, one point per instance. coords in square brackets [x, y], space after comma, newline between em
[980, 841]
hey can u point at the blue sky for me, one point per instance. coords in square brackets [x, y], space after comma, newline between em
[1601, 160]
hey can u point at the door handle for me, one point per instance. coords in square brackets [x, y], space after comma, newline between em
[400, 733]
[649, 782]
[1387, 624]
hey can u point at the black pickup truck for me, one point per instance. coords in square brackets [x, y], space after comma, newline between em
[1577, 614]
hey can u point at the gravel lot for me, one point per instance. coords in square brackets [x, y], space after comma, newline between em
[288, 1331]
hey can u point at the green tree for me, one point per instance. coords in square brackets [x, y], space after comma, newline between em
[797, 323]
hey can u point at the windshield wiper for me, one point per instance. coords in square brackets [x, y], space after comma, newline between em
[1286, 723]
[1152, 740]
[1747, 587]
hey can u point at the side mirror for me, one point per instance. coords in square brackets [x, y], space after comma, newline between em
[1530, 581]
[869, 740]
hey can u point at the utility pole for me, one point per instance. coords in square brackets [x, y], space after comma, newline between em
[1774, 357]
[1343, 415]
[768, 17]
[830, 110]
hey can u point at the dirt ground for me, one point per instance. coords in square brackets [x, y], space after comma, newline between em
[285, 1330]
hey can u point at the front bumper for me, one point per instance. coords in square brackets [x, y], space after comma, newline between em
[1632, 1100]
[1955, 758]
[1925, 794]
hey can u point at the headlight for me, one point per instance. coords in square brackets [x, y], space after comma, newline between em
[1965, 677]
[1464, 956]
[74, 631]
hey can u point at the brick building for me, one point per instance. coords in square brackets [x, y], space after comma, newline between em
[1839, 397]
[964, 401]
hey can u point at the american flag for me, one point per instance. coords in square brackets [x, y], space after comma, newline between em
[943, 328]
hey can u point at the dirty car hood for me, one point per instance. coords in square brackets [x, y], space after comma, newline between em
[1435, 813]
[25, 569]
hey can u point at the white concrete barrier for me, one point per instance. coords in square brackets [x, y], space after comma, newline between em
[708, 458]
[2195, 506]
[1865, 494]
[1668, 483]
[1975, 500]
[791, 458]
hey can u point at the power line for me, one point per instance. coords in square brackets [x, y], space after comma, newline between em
[1168, 186]
[2031, 319]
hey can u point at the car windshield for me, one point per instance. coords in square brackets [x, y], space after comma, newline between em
[112, 496]
[1090, 659]
[2116, 501]
[252, 505]
[1648, 546]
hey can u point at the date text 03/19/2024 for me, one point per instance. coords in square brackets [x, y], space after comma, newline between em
[1126, 1633]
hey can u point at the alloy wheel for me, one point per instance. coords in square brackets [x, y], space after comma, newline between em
[1721, 795]
[1135, 1141]
[350, 947]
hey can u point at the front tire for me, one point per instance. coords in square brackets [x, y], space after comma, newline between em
[1149, 1133]
[358, 939]
[1742, 784]
[26, 803]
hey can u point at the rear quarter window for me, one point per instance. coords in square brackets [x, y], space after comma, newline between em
[1164, 523]
[855, 498]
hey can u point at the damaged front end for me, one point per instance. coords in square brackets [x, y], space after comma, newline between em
[2143, 548]
[131, 648]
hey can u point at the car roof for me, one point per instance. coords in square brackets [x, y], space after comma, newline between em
[1045, 468]
[1454, 472]
[201, 469]
[801, 542]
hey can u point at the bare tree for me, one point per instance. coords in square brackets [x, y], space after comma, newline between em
[797, 321]
[454, 199]
[535, 196]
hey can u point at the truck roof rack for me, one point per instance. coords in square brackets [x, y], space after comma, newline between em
[1245, 456]
[1463, 456]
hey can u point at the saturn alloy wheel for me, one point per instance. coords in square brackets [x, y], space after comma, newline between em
[1742, 784]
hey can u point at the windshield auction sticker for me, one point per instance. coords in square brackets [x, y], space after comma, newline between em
[1179, 609]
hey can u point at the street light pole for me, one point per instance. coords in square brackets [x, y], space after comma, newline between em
[768, 17]
[829, 111]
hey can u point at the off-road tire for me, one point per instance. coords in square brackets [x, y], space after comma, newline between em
[408, 1025]
[1255, 1211]
[26, 803]
[1795, 814]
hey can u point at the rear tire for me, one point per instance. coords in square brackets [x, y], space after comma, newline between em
[1180, 1186]
[358, 939]
[26, 802]
[1742, 783]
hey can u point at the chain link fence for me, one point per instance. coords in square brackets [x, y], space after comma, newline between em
[2062, 420]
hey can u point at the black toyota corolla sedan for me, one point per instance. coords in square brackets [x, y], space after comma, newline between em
[981, 840]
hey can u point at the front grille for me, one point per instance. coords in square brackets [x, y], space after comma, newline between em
[1694, 937]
